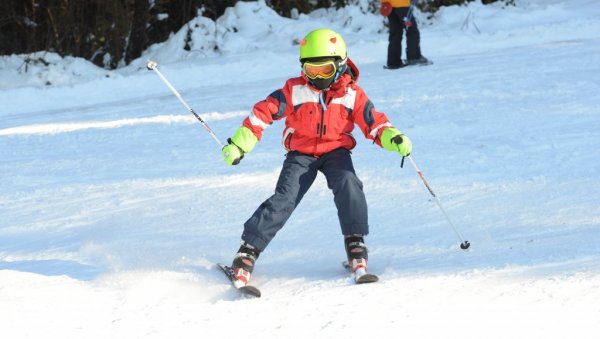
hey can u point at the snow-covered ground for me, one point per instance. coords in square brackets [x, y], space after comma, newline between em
[115, 203]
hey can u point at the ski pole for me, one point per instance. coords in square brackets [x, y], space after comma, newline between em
[463, 243]
[409, 15]
[153, 65]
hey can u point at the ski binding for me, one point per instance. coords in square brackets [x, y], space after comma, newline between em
[361, 276]
[245, 290]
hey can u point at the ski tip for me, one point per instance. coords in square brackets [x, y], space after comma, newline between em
[367, 278]
[250, 291]
[223, 267]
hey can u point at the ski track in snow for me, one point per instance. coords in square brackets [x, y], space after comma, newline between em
[115, 204]
[72, 127]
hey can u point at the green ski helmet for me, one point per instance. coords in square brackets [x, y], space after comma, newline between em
[321, 45]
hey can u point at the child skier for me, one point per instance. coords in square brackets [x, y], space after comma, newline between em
[320, 108]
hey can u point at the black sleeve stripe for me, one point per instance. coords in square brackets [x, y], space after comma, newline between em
[280, 97]
[349, 110]
[368, 113]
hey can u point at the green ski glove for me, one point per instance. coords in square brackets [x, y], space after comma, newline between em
[393, 140]
[231, 153]
[242, 142]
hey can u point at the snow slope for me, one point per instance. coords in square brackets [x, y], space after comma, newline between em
[115, 204]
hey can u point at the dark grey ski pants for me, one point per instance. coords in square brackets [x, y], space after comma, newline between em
[297, 175]
[413, 38]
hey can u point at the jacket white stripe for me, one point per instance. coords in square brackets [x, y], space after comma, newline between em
[375, 130]
[302, 94]
[347, 100]
[254, 120]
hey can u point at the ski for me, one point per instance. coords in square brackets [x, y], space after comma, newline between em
[392, 68]
[246, 290]
[406, 64]
[426, 63]
[364, 278]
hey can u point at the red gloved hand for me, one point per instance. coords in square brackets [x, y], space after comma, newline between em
[386, 8]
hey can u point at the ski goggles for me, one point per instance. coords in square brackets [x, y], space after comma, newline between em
[323, 70]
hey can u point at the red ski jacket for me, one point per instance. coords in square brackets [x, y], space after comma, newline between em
[317, 122]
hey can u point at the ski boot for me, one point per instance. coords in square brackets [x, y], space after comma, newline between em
[358, 258]
[357, 253]
[243, 264]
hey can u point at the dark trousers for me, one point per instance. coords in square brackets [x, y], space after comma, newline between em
[413, 38]
[297, 175]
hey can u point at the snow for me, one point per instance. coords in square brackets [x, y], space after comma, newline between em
[115, 203]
